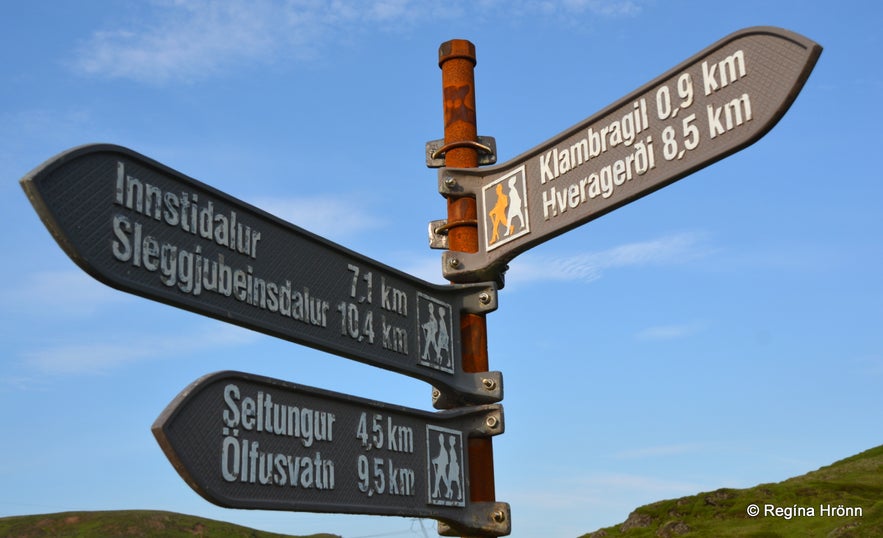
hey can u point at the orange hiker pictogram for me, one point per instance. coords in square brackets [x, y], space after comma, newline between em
[498, 214]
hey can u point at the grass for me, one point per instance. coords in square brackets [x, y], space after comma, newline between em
[128, 523]
[855, 483]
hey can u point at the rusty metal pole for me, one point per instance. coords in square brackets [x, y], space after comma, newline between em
[456, 58]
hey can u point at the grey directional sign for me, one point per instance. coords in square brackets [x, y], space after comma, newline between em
[712, 105]
[246, 441]
[144, 228]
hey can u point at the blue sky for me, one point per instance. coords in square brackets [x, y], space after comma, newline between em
[722, 332]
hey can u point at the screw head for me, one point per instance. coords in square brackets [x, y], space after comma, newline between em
[489, 383]
[492, 422]
[454, 263]
[499, 516]
[450, 182]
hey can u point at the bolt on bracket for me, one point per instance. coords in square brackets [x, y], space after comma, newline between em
[470, 267]
[482, 420]
[482, 301]
[486, 146]
[488, 518]
[489, 383]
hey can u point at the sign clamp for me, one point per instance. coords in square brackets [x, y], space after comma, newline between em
[489, 518]
[438, 234]
[486, 147]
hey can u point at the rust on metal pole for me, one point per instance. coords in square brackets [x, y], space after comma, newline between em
[457, 62]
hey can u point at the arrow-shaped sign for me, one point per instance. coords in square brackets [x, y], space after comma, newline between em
[245, 441]
[141, 227]
[714, 104]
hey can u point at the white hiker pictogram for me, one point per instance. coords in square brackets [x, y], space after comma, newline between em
[445, 472]
[515, 209]
[435, 330]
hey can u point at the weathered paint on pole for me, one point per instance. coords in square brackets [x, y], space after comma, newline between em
[457, 61]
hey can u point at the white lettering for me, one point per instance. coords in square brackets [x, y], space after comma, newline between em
[723, 73]
[244, 461]
[185, 212]
[603, 182]
[262, 414]
[621, 131]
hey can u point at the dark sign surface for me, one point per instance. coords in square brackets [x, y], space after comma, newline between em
[714, 104]
[144, 228]
[245, 441]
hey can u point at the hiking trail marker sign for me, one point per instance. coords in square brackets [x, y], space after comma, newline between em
[141, 227]
[718, 102]
[246, 441]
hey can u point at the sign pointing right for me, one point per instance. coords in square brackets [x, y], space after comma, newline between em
[718, 102]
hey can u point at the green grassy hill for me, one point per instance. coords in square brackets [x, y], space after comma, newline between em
[842, 500]
[128, 523]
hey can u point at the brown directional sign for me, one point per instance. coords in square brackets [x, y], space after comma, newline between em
[245, 441]
[144, 228]
[714, 104]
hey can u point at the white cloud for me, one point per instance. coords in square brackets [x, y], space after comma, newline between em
[603, 7]
[423, 265]
[657, 451]
[671, 332]
[193, 39]
[100, 357]
[334, 217]
[590, 266]
[187, 39]
[20, 383]
[598, 493]
[70, 293]
[644, 484]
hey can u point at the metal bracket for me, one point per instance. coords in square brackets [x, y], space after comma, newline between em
[487, 519]
[438, 231]
[489, 423]
[438, 237]
[465, 267]
[488, 383]
[480, 420]
[448, 185]
[486, 146]
[482, 301]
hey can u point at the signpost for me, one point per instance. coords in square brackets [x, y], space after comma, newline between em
[144, 228]
[245, 441]
[714, 104]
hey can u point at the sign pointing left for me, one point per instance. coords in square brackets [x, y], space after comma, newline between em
[247, 441]
[141, 227]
